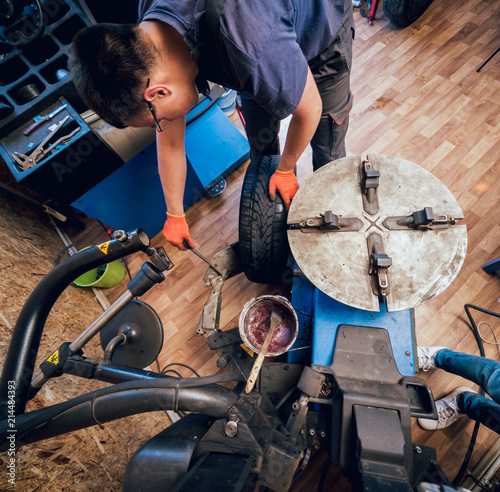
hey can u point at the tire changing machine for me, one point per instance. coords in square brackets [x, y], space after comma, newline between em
[371, 239]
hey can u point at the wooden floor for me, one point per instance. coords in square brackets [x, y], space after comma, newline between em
[416, 96]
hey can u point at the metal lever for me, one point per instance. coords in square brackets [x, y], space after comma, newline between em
[327, 222]
[199, 255]
[379, 264]
[420, 220]
[369, 184]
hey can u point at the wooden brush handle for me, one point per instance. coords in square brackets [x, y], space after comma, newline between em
[254, 373]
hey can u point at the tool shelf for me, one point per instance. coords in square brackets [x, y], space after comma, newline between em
[70, 170]
[29, 81]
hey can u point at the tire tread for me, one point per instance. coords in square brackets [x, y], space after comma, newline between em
[263, 240]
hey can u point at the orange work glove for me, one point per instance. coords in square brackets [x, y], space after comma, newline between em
[286, 183]
[176, 231]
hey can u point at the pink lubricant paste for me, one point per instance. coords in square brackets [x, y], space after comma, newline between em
[258, 322]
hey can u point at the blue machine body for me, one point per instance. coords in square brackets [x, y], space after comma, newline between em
[132, 196]
[320, 317]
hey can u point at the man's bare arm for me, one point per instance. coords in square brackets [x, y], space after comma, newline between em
[172, 164]
[305, 120]
[172, 170]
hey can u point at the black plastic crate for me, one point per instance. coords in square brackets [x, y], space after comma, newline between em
[35, 75]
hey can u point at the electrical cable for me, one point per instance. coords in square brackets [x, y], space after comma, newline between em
[496, 342]
[169, 413]
[166, 371]
[182, 365]
[213, 99]
[68, 247]
[476, 481]
[477, 336]
[324, 474]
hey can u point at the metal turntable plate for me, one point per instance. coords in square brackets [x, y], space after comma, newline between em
[424, 260]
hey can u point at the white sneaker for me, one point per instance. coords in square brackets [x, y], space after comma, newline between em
[426, 357]
[447, 410]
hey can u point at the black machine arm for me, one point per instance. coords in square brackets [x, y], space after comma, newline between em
[118, 401]
[23, 349]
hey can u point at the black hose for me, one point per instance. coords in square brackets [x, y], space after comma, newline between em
[324, 474]
[120, 339]
[69, 246]
[199, 395]
[25, 341]
[472, 442]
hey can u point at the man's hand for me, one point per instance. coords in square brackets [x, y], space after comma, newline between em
[286, 183]
[176, 231]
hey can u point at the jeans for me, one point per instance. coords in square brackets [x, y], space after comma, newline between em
[331, 70]
[482, 371]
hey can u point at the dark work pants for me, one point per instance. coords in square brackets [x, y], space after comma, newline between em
[331, 70]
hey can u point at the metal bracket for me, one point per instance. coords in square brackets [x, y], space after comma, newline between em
[369, 183]
[210, 316]
[424, 219]
[224, 338]
[159, 258]
[379, 264]
[327, 222]
[228, 263]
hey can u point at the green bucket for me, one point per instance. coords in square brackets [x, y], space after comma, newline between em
[104, 276]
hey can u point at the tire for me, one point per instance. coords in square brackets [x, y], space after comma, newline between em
[405, 12]
[263, 241]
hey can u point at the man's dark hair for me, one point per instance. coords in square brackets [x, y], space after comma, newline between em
[110, 65]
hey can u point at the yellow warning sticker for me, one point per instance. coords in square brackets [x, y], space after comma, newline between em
[247, 350]
[54, 358]
[104, 247]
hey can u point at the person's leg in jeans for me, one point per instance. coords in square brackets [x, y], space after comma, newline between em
[478, 407]
[482, 371]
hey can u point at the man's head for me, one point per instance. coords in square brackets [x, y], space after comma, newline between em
[110, 65]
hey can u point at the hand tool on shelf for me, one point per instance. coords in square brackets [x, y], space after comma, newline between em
[275, 321]
[42, 120]
[59, 141]
[28, 161]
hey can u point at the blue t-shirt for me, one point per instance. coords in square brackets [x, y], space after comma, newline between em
[268, 42]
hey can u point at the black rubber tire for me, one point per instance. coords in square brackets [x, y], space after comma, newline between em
[405, 12]
[263, 241]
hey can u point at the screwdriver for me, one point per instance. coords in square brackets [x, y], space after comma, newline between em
[42, 120]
